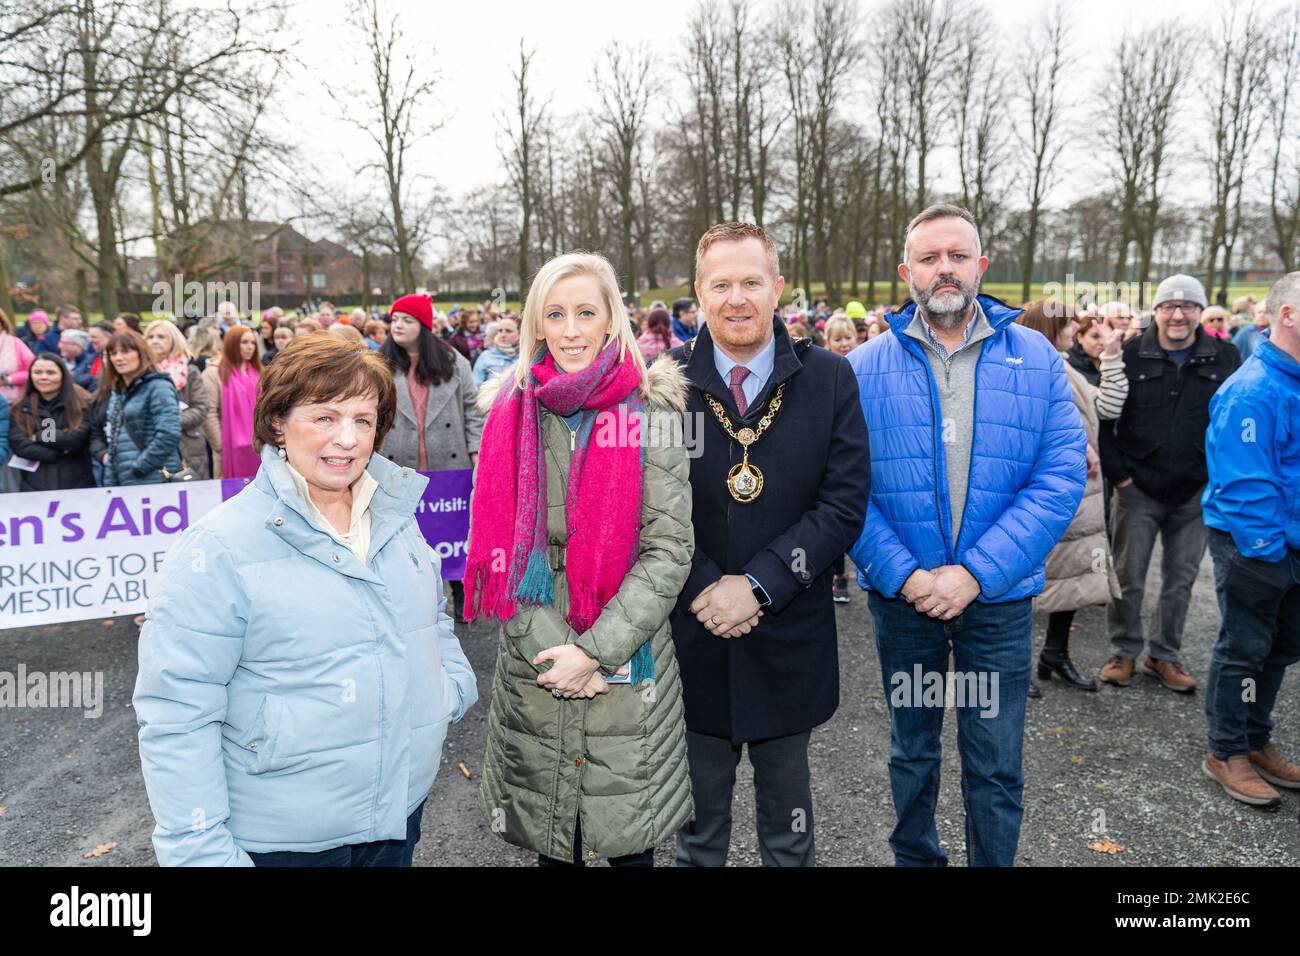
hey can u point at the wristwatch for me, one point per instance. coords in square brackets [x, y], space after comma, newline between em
[759, 594]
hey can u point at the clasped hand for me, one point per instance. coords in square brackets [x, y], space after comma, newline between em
[727, 607]
[573, 673]
[942, 593]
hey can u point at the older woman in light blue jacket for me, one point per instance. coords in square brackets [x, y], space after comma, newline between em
[297, 672]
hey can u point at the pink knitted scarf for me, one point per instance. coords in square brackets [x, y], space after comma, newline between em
[507, 559]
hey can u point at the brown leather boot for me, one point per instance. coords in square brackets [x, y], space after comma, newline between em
[1170, 673]
[1239, 780]
[1276, 769]
[1118, 671]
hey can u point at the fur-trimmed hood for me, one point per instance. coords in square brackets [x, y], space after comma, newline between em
[664, 385]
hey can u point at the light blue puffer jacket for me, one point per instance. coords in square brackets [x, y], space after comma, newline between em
[1027, 468]
[1252, 450]
[289, 696]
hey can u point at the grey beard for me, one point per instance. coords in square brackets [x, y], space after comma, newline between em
[947, 310]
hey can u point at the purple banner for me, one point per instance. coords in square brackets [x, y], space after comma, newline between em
[442, 514]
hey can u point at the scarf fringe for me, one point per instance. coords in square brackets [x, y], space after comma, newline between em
[585, 608]
[486, 594]
[643, 664]
[536, 586]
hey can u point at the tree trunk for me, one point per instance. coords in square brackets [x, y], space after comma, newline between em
[365, 278]
[83, 295]
[6, 301]
[1031, 247]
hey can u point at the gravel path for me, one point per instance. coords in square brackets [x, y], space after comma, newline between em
[1123, 763]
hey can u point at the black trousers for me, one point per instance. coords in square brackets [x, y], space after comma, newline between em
[379, 853]
[782, 794]
[644, 858]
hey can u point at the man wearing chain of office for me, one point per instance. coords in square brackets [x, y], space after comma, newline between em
[780, 484]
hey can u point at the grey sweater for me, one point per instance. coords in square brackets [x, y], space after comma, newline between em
[954, 375]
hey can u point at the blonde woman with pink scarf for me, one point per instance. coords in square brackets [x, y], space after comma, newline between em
[15, 360]
[232, 391]
[580, 540]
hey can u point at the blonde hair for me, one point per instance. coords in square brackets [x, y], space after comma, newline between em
[841, 323]
[566, 267]
[177, 337]
[347, 332]
[207, 341]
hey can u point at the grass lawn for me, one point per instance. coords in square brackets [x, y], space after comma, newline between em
[1006, 291]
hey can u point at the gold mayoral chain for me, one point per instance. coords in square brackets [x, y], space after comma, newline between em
[745, 481]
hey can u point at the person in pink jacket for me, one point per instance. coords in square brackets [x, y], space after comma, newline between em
[15, 359]
[658, 336]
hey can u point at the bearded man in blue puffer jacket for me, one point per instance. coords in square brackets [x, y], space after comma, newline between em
[977, 467]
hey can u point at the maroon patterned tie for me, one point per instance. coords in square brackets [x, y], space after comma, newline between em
[738, 375]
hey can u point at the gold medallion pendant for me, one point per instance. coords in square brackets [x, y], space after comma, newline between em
[745, 481]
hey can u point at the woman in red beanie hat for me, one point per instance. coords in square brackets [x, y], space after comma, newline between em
[438, 424]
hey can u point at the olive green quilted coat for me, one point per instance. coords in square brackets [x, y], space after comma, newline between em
[617, 761]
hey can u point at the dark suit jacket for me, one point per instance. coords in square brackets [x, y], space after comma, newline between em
[783, 677]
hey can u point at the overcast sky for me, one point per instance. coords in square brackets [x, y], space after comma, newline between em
[473, 43]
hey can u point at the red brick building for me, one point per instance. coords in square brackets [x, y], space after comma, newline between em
[275, 255]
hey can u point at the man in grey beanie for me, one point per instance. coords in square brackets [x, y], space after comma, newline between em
[1154, 458]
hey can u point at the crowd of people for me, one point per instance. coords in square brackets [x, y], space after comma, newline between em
[215, 364]
[129, 401]
[661, 613]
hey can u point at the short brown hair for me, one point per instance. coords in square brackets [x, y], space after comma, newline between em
[734, 232]
[1050, 321]
[6, 324]
[321, 368]
[1086, 322]
[942, 210]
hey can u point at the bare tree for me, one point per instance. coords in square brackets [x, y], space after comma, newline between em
[1234, 91]
[1138, 102]
[1284, 164]
[105, 71]
[392, 111]
[980, 118]
[1044, 105]
[624, 83]
[895, 120]
[925, 33]
[523, 130]
[1170, 64]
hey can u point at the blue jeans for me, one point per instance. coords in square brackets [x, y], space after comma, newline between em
[991, 647]
[1259, 636]
[379, 853]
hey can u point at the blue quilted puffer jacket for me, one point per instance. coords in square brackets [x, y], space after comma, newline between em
[1027, 469]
